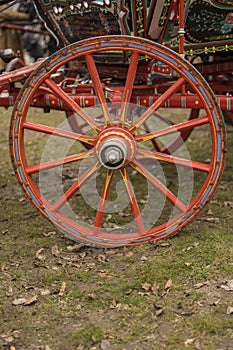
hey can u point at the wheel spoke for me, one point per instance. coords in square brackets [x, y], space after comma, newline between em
[102, 204]
[133, 202]
[74, 188]
[162, 188]
[71, 104]
[98, 87]
[162, 99]
[129, 86]
[58, 132]
[175, 160]
[54, 163]
[190, 124]
[183, 135]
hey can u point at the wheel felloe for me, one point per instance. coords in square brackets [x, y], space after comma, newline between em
[127, 162]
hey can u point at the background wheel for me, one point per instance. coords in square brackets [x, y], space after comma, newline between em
[116, 181]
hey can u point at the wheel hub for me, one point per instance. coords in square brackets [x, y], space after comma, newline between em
[115, 147]
[113, 153]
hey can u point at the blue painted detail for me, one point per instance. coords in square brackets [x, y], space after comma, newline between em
[16, 125]
[204, 94]
[118, 242]
[16, 150]
[190, 76]
[187, 216]
[111, 44]
[137, 46]
[205, 195]
[183, 104]
[60, 59]
[39, 76]
[24, 99]
[22, 174]
[50, 215]
[70, 229]
[78, 234]
[33, 196]
[165, 57]
[228, 104]
[150, 100]
[83, 49]
[215, 173]
[215, 120]
[95, 239]
[142, 239]
[219, 148]
[167, 231]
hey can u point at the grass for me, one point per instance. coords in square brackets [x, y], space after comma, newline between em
[105, 295]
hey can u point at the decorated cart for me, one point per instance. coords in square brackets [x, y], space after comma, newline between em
[118, 138]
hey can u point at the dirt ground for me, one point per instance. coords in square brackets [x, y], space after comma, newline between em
[59, 295]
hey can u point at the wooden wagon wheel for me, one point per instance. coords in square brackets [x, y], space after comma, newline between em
[119, 190]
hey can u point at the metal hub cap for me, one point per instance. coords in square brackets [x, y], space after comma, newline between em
[113, 153]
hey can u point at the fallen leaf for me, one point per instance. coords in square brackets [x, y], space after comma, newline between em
[199, 285]
[129, 254]
[55, 250]
[47, 347]
[7, 338]
[49, 234]
[214, 220]
[40, 256]
[45, 292]
[75, 247]
[146, 286]
[215, 302]
[91, 296]
[9, 293]
[229, 310]
[128, 292]
[25, 301]
[19, 301]
[228, 286]
[144, 258]
[228, 204]
[124, 215]
[159, 312]
[31, 300]
[109, 217]
[101, 258]
[113, 304]
[164, 244]
[155, 288]
[62, 289]
[3, 267]
[168, 284]
[189, 341]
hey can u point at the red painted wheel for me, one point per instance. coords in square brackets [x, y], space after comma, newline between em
[109, 185]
